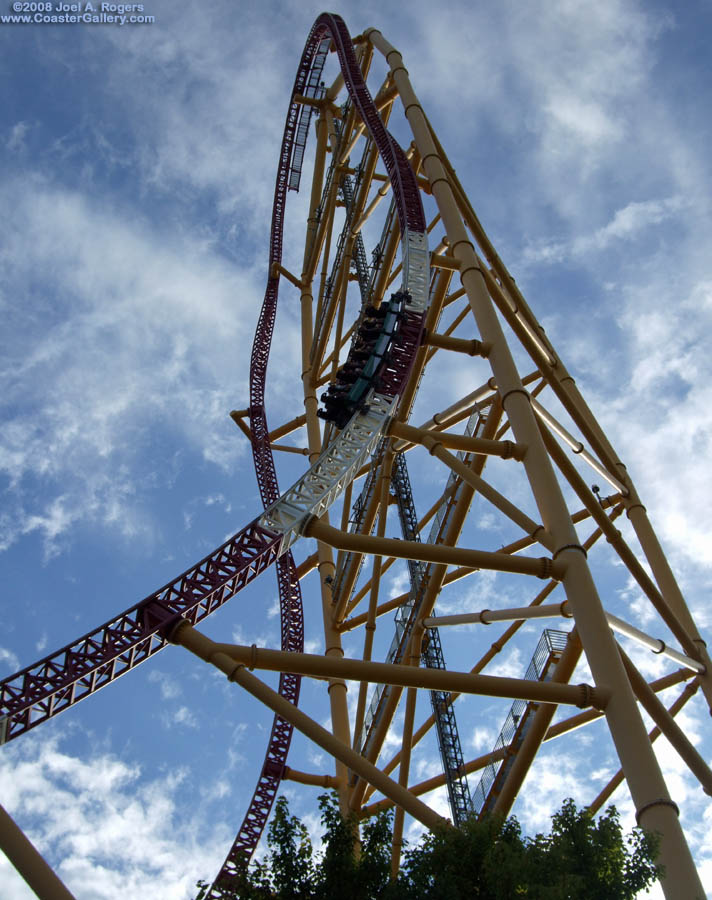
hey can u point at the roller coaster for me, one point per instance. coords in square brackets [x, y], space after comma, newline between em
[534, 429]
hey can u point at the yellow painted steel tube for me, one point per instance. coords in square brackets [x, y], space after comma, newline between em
[207, 650]
[543, 567]
[536, 731]
[590, 715]
[689, 692]
[324, 781]
[669, 727]
[431, 784]
[28, 861]
[334, 667]
[504, 449]
[654, 807]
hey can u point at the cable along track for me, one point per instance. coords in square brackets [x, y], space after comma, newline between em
[63, 678]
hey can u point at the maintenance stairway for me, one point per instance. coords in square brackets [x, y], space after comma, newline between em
[519, 719]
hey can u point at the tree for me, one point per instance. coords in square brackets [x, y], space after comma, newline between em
[587, 858]
[581, 859]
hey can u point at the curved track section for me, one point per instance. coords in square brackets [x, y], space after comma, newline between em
[338, 464]
[61, 679]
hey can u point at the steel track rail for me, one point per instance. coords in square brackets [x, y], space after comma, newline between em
[314, 493]
[432, 654]
[53, 684]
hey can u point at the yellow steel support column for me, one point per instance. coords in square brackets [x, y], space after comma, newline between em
[22, 853]
[563, 727]
[435, 582]
[669, 587]
[505, 449]
[655, 809]
[585, 718]
[615, 782]
[370, 627]
[542, 567]
[619, 545]
[517, 312]
[499, 644]
[351, 574]
[459, 345]
[406, 743]
[316, 666]
[669, 727]
[332, 639]
[324, 781]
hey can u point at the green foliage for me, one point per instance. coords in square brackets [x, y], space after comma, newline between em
[581, 859]
[360, 874]
[587, 858]
[481, 859]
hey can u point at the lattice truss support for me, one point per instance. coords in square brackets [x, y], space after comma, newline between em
[405, 683]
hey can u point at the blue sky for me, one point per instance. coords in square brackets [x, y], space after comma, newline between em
[137, 175]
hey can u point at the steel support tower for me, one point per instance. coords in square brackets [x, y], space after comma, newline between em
[427, 327]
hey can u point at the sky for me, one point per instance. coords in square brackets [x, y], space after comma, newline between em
[137, 174]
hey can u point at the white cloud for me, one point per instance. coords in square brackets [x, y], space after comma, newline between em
[105, 828]
[112, 347]
[181, 716]
[483, 738]
[665, 413]
[169, 687]
[10, 659]
[16, 140]
[626, 224]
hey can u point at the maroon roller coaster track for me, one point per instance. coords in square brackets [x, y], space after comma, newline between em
[58, 681]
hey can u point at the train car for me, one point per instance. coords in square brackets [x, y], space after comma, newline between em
[342, 400]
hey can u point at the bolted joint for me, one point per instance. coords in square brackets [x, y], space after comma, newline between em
[546, 571]
[633, 506]
[432, 446]
[336, 682]
[585, 700]
[571, 547]
[517, 390]
[233, 672]
[157, 616]
[662, 801]
[305, 527]
[173, 632]
[274, 769]
[591, 696]
[253, 658]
